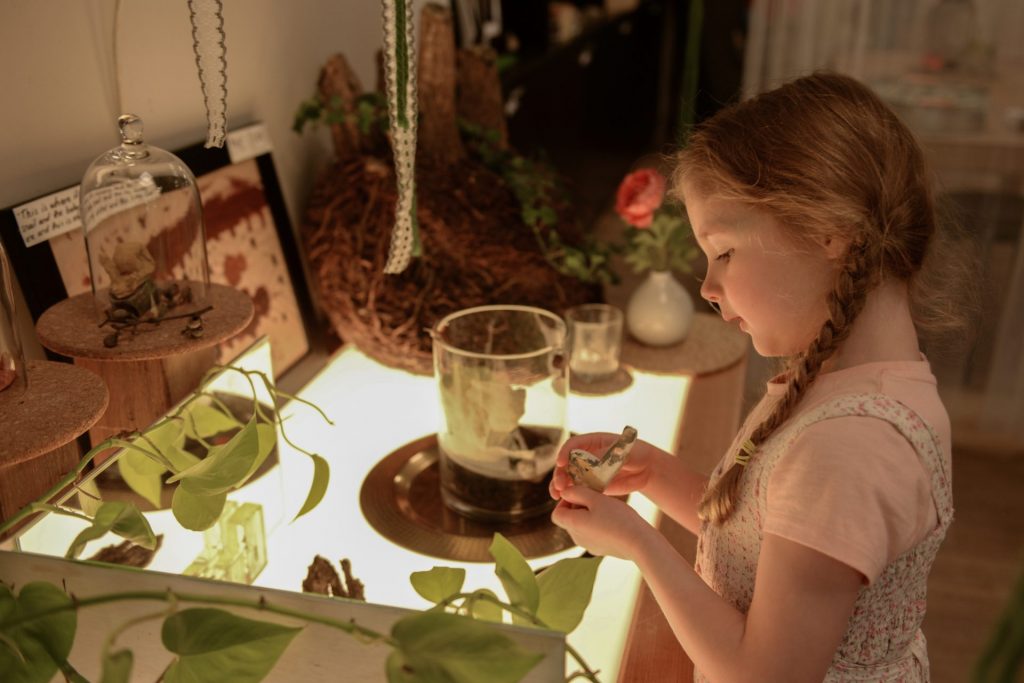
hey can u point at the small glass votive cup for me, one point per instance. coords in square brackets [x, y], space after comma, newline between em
[595, 341]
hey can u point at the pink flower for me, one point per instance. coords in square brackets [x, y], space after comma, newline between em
[639, 196]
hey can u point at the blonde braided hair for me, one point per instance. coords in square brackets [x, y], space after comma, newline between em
[828, 160]
[845, 302]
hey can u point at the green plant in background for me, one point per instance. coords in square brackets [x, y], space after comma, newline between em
[537, 190]
[534, 184]
[202, 484]
[659, 236]
[1001, 660]
[450, 643]
[370, 114]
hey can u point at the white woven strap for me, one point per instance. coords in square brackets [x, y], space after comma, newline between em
[211, 60]
[403, 133]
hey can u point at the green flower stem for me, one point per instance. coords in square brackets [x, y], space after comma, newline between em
[69, 478]
[56, 509]
[195, 429]
[220, 404]
[587, 672]
[155, 455]
[277, 414]
[304, 402]
[691, 71]
[261, 605]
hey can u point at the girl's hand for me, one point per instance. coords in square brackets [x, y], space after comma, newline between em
[601, 524]
[633, 476]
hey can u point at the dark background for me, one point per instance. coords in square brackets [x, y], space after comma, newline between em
[595, 105]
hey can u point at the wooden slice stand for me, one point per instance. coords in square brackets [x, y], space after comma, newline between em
[39, 425]
[150, 371]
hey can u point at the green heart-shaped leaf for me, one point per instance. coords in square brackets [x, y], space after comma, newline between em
[487, 610]
[142, 474]
[516, 576]
[165, 436]
[565, 590]
[32, 651]
[89, 497]
[203, 419]
[318, 487]
[197, 512]
[224, 466]
[438, 583]
[438, 646]
[267, 436]
[119, 517]
[214, 645]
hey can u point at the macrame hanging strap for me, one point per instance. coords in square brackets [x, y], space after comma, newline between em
[400, 74]
[210, 50]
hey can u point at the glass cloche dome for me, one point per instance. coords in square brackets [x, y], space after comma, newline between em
[144, 231]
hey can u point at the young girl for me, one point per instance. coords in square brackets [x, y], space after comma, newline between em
[818, 528]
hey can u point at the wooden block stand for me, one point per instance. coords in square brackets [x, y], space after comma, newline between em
[150, 371]
[39, 425]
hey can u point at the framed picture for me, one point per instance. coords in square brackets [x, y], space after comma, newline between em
[249, 241]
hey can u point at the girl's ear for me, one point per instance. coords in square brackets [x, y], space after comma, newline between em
[835, 247]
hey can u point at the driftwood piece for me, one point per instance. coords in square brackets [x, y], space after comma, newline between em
[480, 100]
[322, 578]
[340, 86]
[438, 135]
[128, 554]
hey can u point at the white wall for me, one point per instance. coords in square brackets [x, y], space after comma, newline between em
[58, 106]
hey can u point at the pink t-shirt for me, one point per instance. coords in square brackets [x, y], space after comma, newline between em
[853, 488]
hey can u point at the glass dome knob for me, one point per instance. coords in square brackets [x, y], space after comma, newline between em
[132, 146]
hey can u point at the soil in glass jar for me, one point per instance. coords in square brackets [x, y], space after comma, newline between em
[490, 498]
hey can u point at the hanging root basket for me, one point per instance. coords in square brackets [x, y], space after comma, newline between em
[476, 248]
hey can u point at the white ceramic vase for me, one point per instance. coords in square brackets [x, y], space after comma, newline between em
[660, 310]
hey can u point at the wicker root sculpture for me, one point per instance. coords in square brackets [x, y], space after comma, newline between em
[476, 247]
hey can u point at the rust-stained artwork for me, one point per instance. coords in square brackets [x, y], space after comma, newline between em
[249, 247]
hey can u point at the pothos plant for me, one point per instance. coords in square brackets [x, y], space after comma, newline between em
[201, 484]
[449, 643]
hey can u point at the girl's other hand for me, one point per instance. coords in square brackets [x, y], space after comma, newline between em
[633, 476]
[601, 524]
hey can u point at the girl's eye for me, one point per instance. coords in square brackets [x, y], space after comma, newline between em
[725, 256]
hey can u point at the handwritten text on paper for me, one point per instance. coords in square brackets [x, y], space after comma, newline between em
[47, 217]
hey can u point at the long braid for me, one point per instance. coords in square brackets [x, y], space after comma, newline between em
[845, 302]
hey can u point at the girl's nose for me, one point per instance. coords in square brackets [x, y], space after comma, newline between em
[710, 292]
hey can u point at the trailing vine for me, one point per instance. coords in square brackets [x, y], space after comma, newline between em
[38, 624]
[427, 647]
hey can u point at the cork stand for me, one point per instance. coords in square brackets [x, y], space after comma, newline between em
[39, 425]
[149, 372]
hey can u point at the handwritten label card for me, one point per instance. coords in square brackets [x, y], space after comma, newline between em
[104, 202]
[49, 216]
[248, 143]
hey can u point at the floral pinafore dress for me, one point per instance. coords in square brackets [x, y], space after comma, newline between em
[883, 640]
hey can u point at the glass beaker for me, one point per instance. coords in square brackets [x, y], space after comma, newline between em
[595, 341]
[502, 378]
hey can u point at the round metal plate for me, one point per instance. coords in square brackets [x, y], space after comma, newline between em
[401, 498]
